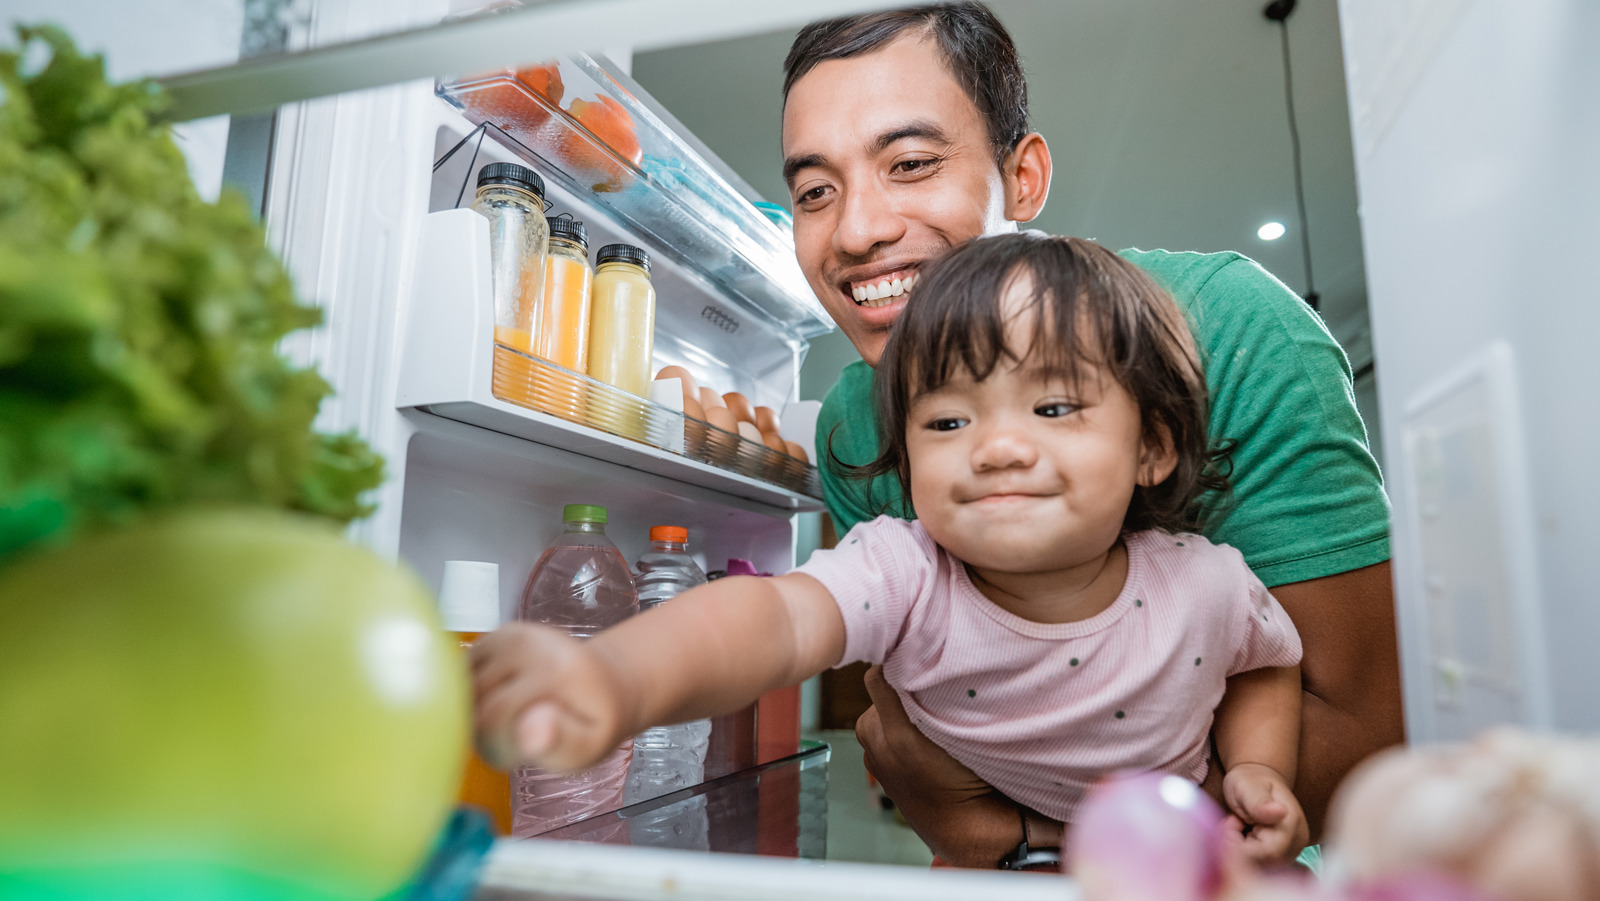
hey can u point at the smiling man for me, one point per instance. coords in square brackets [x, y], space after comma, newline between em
[905, 133]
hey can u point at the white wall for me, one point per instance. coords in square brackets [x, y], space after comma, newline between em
[149, 39]
[1477, 134]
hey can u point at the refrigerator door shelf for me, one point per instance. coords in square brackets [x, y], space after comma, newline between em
[451, 368]
[619, 156]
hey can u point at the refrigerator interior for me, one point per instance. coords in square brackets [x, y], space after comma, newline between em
[473, 493]
[350, 187]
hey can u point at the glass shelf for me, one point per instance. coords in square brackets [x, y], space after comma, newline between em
[541, 385]
[616, 153]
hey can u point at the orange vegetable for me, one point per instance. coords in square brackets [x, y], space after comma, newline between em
[509, 107]
[607, 120]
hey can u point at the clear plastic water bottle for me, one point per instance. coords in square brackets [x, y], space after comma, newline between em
[581, 585]
[667, 758]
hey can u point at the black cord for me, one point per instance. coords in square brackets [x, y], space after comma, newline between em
[470, 165]
[452, 151]
[1279, 11]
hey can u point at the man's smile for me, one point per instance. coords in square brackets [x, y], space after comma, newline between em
[880, 285]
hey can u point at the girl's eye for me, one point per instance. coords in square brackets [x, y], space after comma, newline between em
[947, 424]
[1055, 410]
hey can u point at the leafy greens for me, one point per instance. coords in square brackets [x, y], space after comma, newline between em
[139, 325]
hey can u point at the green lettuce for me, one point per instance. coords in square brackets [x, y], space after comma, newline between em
[139, 325]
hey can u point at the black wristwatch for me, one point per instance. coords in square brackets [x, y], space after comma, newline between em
[1026, 857]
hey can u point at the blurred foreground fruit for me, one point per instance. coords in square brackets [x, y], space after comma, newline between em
[221, 704]
[1147, 837]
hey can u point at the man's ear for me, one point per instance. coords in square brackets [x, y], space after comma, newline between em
[1158, 458]
[1027, 175]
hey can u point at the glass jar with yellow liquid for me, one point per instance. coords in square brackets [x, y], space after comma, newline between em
[511, 197]
[622, 319]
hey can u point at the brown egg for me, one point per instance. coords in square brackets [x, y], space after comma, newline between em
[709, 399]
[794, 450]
[739, 406]
[767, 420]
[773, 440]
[722, 419]
[692, 408]
[690, 389]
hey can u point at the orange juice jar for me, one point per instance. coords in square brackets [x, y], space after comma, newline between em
[511, 197]
[561, 333]
[622, 319]
[469, 605]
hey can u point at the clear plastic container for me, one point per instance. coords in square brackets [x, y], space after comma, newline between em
[580, 585]
[622, 319]
[667, 758]
[511, 197]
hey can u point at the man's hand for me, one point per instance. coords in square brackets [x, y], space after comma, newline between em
[960, 817]
[1259, 797]
[542, 698]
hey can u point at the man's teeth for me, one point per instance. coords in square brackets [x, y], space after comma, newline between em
[882, 293]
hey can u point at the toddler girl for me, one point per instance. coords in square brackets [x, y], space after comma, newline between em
[1046, 620]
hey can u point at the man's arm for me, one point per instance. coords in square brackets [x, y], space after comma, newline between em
[1350, 708]
[1351, 676]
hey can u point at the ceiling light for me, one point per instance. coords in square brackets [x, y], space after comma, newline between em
[1272, 231]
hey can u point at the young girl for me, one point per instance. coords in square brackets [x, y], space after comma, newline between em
[1046, 620]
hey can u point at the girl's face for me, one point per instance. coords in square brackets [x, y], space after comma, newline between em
[1028, 471]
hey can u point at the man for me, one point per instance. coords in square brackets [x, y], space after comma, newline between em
[905, 133]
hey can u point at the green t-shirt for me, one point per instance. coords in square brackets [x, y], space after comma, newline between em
[1307, 498]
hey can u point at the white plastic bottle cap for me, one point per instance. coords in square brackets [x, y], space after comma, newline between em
[469, 599]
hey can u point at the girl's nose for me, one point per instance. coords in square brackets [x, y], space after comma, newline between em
[1003, 448]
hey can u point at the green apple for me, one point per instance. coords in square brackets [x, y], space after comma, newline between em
[224, 691]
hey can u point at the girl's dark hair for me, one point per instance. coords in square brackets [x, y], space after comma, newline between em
[976, 47]
[1088, 305]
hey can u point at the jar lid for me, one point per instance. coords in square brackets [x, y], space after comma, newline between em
[570, 229]
[623, 253]
[512, 174]
[469, 598]
[677, 534]
[584, 513]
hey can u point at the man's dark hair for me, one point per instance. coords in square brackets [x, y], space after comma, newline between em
[976, 47]
[1088, 306]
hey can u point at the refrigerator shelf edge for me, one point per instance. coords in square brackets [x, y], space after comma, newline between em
[449, 365]
[659, 186]
[533, 869]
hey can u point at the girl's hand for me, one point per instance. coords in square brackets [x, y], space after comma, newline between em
[1259, 797]
[543, 698]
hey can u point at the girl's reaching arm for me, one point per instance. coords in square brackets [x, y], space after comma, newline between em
[546, 699]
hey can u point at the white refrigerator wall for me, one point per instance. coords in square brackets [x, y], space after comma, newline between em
[1476, 124]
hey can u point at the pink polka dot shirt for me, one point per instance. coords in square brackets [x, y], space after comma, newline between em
[1041, 711]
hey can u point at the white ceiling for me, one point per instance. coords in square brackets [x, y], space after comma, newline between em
[1165, 118]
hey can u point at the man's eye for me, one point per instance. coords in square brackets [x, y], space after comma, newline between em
[947, 424]
[812, 194]
[1055, 410]
[912, 167]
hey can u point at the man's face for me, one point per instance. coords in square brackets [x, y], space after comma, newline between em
[889, 165]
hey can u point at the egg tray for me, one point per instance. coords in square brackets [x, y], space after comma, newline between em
[538, 384]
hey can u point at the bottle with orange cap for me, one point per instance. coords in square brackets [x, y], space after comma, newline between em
[667, 758]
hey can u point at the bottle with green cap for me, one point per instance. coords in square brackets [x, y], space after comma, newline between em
[580, 585]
